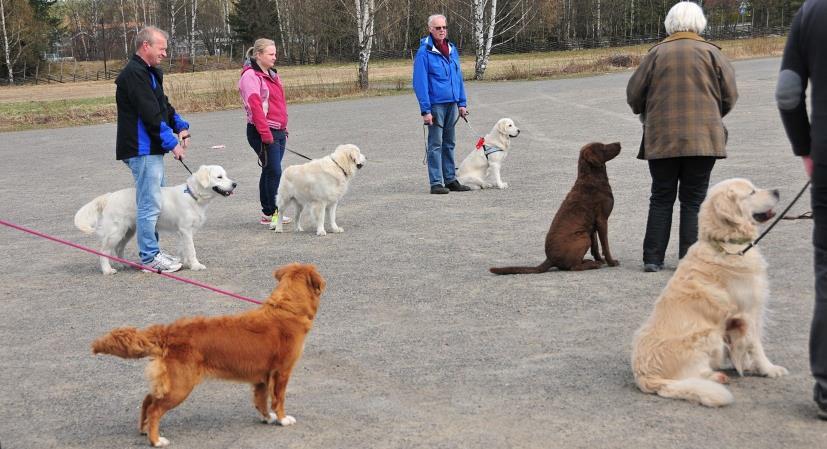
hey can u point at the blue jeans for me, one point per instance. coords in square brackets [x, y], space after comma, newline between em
[441, 141]
[148, 172]
[268, 183]
[686, 178]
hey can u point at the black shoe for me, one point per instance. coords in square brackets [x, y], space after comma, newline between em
[439, 190]
[455, 186]
[652, 267]
[822, 414]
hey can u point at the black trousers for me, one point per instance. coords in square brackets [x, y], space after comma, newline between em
[818, 330]
[686, 178]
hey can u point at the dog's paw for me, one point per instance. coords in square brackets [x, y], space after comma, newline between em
[486, 185]
[270, 419]
[162, 442]
[276, 228]
[502, 186]
[109, 271]
[197, 267]
[321, 232]
[774, 371]
[613, 262]
[338, 230]
[287, 421]
[719, 377]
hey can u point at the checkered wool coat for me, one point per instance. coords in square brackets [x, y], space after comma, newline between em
[683, 87]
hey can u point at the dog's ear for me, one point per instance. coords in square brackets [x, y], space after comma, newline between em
[281, 271]
[726, 207]
[202, 176]
[315, 281]
[502, 126]
[591, 155]
[353, 151]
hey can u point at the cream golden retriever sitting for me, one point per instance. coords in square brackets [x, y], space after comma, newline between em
[318, 185]
[712, 309]
[481, 168]
[183, 211]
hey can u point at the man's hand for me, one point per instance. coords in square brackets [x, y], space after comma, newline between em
[185, 138]
[808, 165]
[428, 119]
[178, 152]
[463, 111]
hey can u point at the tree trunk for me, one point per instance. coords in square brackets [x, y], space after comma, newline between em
[483, 35]
[365, 15]
[284, 27]
[125, 39]
[194, 10]
[6, 42]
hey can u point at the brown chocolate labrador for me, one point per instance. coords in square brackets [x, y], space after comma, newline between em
[584, 213]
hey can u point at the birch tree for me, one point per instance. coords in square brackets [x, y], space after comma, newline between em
[6, 42]
[488, 22]
[193, 15]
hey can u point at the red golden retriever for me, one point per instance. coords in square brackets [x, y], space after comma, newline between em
[259, 346]
[582, 218]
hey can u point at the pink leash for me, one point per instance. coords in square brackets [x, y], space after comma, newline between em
[127, 262]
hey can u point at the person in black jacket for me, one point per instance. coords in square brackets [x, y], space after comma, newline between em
[147, 128]
[805, 58]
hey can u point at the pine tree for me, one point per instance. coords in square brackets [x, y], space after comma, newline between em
[254, 19]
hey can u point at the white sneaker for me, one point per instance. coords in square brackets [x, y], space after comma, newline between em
[163, 264]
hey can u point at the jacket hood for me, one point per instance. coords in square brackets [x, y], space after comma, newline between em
[251, 64]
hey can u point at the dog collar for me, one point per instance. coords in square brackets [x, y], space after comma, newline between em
[188, 190]
[340, 167]
[719, 245]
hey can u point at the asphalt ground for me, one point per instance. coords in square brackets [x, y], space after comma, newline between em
[415, 344]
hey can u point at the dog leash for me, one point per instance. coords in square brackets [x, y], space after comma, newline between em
[128, 262]
[425, 135]
[780, 217]
[185, 165]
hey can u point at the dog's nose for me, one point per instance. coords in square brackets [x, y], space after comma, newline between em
[234, 184]
[776, 193]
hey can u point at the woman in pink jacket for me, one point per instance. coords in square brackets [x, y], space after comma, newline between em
[263, 97]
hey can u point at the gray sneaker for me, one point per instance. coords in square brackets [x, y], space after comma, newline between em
[163, 264]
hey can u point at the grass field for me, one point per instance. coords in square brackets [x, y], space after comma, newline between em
[92, 102]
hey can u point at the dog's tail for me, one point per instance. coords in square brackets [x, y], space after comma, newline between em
[703, 391]
[129, 343]
[86, 219]
[542, 268]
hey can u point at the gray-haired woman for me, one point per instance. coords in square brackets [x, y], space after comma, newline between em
[682, 90]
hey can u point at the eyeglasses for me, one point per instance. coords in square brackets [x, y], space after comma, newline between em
[441, 28]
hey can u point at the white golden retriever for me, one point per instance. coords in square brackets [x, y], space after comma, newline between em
[481, 168]
[318, 185]
[183, 211]
[712, 309]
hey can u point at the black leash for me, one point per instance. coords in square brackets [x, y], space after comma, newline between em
[780, 217]
[185, 165]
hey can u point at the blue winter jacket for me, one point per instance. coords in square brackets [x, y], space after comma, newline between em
[437, 79]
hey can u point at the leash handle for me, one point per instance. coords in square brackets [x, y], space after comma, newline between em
[780, 217]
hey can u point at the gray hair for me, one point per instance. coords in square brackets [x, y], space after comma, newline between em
[149, 34]
[685, 16]
[434, 17]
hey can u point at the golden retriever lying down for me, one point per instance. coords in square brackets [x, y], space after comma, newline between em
[260, 347]
[712, 308]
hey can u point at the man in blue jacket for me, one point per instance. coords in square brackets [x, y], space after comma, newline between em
[437, 82]
[805, 59]
[147, 128]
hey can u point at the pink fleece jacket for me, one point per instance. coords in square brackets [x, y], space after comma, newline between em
[258, 89]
